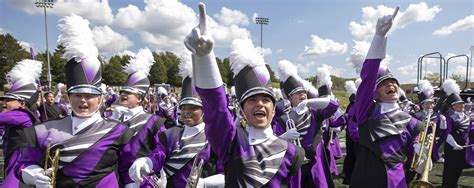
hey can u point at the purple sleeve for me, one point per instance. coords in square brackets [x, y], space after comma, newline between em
[329, 110]
[352, 125]
[15, 118]
[367, 89]
[338, 122]
[29, 156]
[220, 128]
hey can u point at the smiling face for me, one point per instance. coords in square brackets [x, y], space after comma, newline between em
[297, 97]
[458, 107]
[84, 104]
[191, 115]
[387, 91]
[259, 110]
[129, 100]
[427, 105]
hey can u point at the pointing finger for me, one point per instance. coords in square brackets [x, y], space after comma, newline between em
[395, 12]
[202, 18]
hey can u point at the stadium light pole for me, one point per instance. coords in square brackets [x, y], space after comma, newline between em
[46, 4]
[261, 21]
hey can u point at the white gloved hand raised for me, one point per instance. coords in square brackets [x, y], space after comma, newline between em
[291, 134]
[379, 42]
[385, 23]
[141, 166]
[199, 41]
[34, 175]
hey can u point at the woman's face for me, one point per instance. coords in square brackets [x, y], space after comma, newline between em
[84, 104]
[129, 100]
[387, 91]
[11, 104]
[191, 115]
[297, 97]
[259, 110]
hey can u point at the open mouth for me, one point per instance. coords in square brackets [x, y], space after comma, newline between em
[83, 107]
[260, 114]
[391, 91]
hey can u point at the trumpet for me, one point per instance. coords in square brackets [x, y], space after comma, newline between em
[290, 124]
[195, 174]
[427, 140]
[54, 161]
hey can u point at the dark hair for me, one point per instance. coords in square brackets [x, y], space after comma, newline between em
[47, 93]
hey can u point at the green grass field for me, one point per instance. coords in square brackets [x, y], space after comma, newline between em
[435, 176]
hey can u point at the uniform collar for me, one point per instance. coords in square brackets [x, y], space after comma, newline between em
[192, 131]
[388, 107]
[79, 123]
[257, 136]
[132, 112]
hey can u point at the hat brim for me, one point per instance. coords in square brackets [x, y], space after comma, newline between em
[89, 89]
[255, 91]
[190, 101]
[386, 77]
[7, 96]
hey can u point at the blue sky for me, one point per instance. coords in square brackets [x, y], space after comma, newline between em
[307, 33]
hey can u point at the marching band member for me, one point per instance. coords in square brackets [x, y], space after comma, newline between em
[305, 113]
[89, 146]
[352, 135]
[179, 146]
[384, 129]
[251, 156]
[17, 115]
[458, 128]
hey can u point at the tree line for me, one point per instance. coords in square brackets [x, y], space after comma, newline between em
[164, 70]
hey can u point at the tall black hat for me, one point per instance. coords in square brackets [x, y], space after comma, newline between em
[452, 91]
[311, 91]
[83, 69]
[188, 92]
[251, 75]
[138, 69]
[290, 81]
[351, 90]
[22, 80]
[426, 91]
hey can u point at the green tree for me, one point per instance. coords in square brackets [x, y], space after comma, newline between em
[11, 52]
[272, 74]
[158, 70]
[113, 73]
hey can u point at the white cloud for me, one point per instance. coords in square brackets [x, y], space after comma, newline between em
[228, 17]
[159, 25]
[254, 16]
[358, 54]
[266, 51]
[414, 13]
[93, 10]
[324, 47]
[125, 52]
[460, 25]
[308, 69]
[25, 45]
[3, 31]
[279, 51]
[109, 41]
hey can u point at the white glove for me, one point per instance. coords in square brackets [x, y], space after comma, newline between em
[163, 179]
[450, 140]
[379, 42]
[201, 44]
[336, 130]
[34, 175]
[141, 166]
[217, 180]
[291, 134]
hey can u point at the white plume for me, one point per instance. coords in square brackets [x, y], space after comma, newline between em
[308, 86]
[186, 66]
[357, 82]
[232, 91]
[350, 87]
[162, 90]
[76, 38]
[141, 62]
[287, 69]
[450, 86]
[27, 69]
[324, 76]
[277, 93]
[244, 53]
[425, 87]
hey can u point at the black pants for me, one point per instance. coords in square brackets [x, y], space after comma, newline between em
[454, 163]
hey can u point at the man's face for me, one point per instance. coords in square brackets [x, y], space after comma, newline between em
[191, 115]
[84, 104]
[129, 100]
[11, 104]
[259, 110]
[387, 91]
[428, 105]
[297, 97]
[458, 107]
[49, 98]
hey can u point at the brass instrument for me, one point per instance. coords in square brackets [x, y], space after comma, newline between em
[54, 161]
[290, 124]
[195, 174]
[425, 140]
